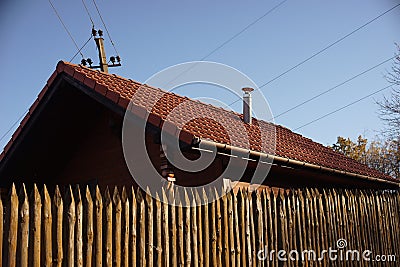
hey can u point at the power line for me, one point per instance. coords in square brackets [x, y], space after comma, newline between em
[105, 27]
[65, 27]
[330, 45]
[109, 36]
[19, 119]
[90, 38]
[244, 29]
[230, 39]
[87, 11]
[328, 90]
[79, 52]
[321, 51]
[334, 87]
[339, 109]
[12, 126]
[76, 45]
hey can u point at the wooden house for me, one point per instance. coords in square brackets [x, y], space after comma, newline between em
[72, 135]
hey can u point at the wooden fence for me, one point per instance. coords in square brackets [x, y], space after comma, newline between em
[127, 227]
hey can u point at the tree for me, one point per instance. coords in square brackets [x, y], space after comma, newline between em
[383, 156]
[390, 106]
[355, 150]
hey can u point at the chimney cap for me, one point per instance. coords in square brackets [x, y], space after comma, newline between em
[247, 89]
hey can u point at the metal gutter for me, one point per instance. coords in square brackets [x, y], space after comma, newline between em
[237, 151]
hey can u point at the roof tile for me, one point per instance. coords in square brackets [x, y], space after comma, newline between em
[123, 102]
[24, 120]
[170, 128]
[139, 111]
[52, 77]
[7, 147]
[70, 70]
[100, 88]
[90, 83]
[154, 119]
[43, 92]
[16, 133]
[60, 66]
[113, 96]
[79, 76]
[288, 144]
[186, 136]
[34, 105]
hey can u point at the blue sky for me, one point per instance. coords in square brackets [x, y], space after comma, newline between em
[153, 35]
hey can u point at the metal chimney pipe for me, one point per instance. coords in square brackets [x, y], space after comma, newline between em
[247, 104]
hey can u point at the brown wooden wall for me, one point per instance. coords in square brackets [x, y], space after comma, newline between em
[99, 158]
[77, 140]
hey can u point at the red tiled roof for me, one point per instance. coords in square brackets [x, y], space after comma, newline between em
[288, 144]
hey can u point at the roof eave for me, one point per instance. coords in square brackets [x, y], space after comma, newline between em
[287, 162]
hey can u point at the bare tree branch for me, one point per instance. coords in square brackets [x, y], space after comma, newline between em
[389, 107]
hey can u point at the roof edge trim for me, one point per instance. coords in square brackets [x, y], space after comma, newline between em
[292, 162]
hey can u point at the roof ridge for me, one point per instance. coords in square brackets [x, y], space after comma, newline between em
[98, 71]
[304, 149]
[218, 108]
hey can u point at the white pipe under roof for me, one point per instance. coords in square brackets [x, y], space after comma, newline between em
[237, 151]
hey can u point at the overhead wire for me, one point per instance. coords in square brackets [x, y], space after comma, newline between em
[12, 126]
[330, 45]
[87, 11]
[334, 87]
[231, 38]
[65, 27]
[105, 27]
[323, 50]
[73, 57]
[343, 107]
[19, 119]
[244, 29]
[90, 38]
[78, 52]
